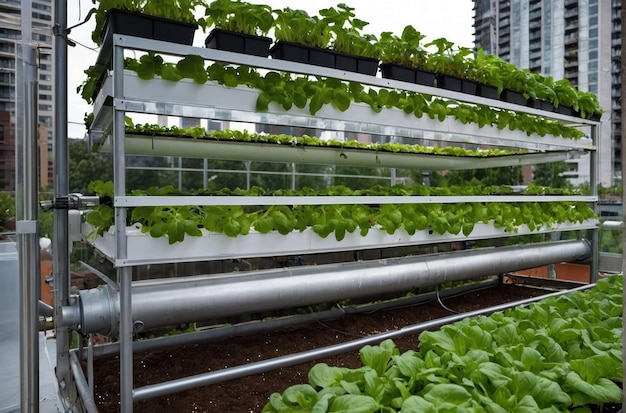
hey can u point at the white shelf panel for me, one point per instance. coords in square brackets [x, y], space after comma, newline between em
[215, 55]
[270, 152]
[212, 101]
[143, 249]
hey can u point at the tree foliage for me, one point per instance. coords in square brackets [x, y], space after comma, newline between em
[507, 175]
[551, 174]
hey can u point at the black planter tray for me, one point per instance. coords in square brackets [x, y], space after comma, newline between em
[566, 110]
[358, 64]
[487, 91]
[238, 42]
[295, 52]
[449, 82]
[407, 74]
[541, 104]
[150, 27]
[290, 51]
[514, 97]
[469, 87]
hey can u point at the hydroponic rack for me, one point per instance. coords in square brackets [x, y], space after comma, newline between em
[124, 92]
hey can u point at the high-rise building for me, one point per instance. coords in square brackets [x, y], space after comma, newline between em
[563, 39]
[40, 33]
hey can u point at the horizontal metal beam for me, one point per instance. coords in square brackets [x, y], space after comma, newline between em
[135, 201]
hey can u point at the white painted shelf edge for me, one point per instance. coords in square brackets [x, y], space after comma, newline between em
[143, 249]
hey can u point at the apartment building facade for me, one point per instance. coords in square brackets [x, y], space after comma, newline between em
[564, 39]
[40, 34]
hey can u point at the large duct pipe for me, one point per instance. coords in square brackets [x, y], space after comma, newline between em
[159, 303]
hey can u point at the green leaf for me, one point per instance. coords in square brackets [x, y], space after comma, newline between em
[263, 225]
[262, 102]
[417, 404]
[323, 375]
[302, 395]
[602, 391]
[341, 100]
[317, 101]
[446, 392]
[378, 357]
[350, 403]
[170, 72]
[192, 67]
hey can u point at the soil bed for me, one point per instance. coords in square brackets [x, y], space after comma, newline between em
[250, 394]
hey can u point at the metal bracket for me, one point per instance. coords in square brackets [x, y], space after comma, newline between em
[76, 201]
[26, 227]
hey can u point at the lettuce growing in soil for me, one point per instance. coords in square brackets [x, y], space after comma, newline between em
[562, 354]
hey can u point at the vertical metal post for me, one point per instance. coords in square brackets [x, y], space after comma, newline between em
[27, 192]
[90, 363]
[205, 174]
[593, 177]
[180, 173]
[124, 274]
[623, 163]
[61, 261]
[247, 165]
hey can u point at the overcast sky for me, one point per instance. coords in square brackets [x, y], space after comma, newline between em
[451, 19]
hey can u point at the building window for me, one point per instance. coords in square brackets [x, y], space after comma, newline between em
[42, 38]
[9, 34]
[40, 6]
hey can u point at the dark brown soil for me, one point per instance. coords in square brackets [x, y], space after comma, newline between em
[251, 393]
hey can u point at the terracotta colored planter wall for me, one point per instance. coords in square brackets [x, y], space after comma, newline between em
[564, 271]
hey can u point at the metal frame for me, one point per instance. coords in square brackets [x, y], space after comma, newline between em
[129, 94]
[213, 101]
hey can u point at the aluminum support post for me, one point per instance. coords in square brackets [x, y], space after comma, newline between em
[27, 225]
[61, 262]
[125, 273]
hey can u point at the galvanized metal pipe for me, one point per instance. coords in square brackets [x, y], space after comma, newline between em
[26, 189]
[219, 333]
[61, 255]
[232, 373]
[159, 303]
[83, 389]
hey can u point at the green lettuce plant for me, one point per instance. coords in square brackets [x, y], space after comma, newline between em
[177, 222]
[347, 32]
[485, 68]
[406, 49]
[447, 59]
[240, 17]
[561, 354]
[297, 26]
